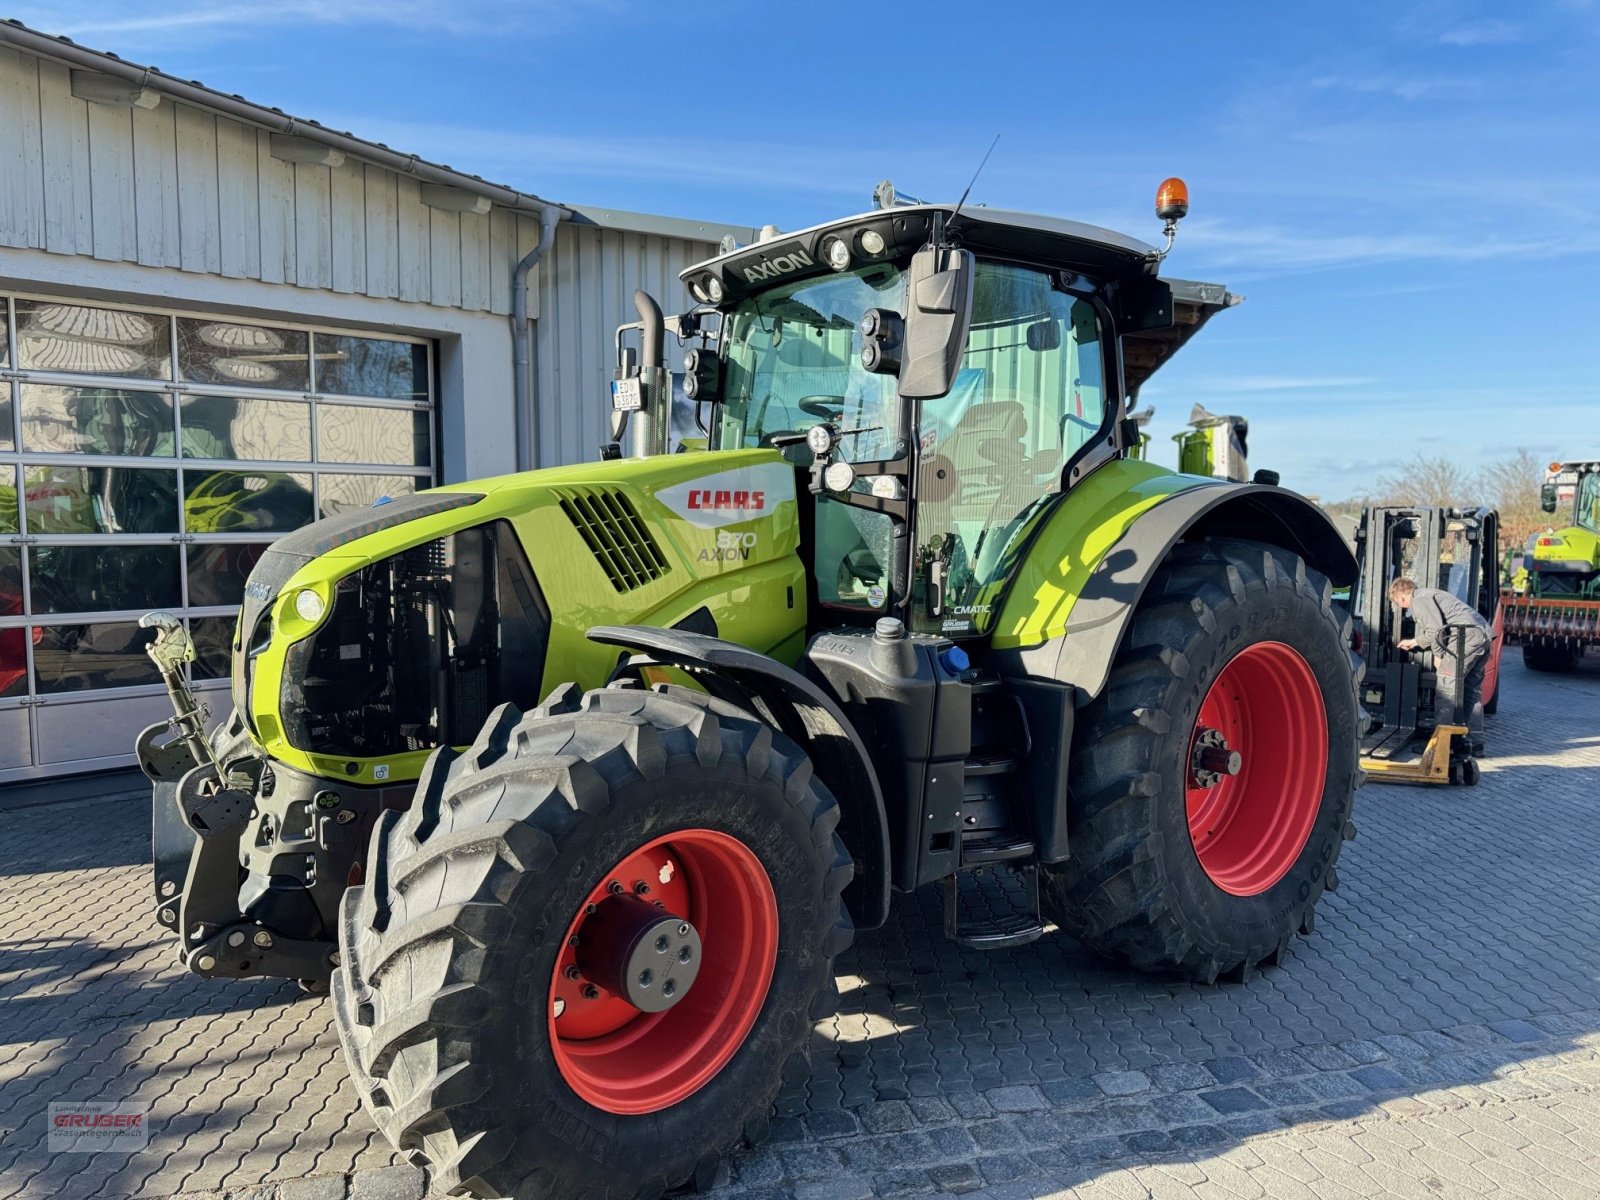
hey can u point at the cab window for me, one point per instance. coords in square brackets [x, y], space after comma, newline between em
[1588, 507]
[794, 361]
[1029, 396]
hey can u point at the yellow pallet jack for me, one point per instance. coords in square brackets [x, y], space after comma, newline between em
[1436, 763]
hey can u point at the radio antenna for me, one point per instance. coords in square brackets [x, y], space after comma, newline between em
[974, 178]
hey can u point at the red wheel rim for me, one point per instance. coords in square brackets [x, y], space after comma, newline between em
[626, 1061]
[1248, 828]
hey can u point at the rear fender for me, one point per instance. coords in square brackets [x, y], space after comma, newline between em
[1081, 652]
[774, 692]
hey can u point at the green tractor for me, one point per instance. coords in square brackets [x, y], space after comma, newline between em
[1556, 616]
[575, 782]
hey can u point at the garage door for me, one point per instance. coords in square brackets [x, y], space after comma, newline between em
[146, 459]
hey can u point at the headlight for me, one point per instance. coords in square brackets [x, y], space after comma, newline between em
[872, 242]
[835, 253]
[713, 289]
[839, 477]
[309, 606]
[820, 439]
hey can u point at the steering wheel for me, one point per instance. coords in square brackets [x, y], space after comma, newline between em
[824, 408]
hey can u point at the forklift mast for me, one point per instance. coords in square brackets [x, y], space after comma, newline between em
[1452, 549]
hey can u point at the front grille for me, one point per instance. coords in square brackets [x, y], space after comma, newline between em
[618, 539]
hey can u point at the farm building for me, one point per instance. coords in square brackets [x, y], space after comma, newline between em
[219, 322]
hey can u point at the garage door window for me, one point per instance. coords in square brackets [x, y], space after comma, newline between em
[146, 460]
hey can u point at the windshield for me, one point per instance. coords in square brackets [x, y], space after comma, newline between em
[794, 361]
[1588, 505]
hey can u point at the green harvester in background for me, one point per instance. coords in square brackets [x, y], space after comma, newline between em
[1554, 615]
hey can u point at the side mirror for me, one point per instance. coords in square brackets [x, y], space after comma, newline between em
[936, 325]
[1547, 497]
[1143, 304]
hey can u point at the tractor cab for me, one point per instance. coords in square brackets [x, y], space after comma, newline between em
[941, 378]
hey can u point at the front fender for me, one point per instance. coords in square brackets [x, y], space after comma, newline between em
[807, 715]
[1080, 641]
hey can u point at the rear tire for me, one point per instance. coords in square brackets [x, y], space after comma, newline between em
[455, 950]
[1555, 659]
[1179, 872]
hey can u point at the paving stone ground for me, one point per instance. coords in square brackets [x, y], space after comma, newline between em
[1437, 1036]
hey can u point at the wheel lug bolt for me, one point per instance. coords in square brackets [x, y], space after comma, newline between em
[684, 955]
[590, 992]
[641, 888]
[662, 944]
[646, 978]
[573, 973]
[614, 888]
[573, 940]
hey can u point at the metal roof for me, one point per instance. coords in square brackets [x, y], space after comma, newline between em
[62, 49]
[685, 228]
[992, 228]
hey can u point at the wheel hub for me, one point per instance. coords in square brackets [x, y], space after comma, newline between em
[693, 910]
[1256, 763]
[632, 949]
[1213, 759]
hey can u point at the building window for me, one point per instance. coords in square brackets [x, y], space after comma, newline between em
[147, 458]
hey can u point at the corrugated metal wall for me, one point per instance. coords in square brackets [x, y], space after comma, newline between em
[586, 285]
[182, 187]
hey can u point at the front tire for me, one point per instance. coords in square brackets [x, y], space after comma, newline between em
[1213, 777]
[489, 1049]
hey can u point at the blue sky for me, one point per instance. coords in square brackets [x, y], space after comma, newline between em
[1405, 193]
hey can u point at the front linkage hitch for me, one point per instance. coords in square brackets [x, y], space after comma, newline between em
[205, 793]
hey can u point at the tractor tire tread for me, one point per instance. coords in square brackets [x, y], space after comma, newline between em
[1112, 894]
[412, 983]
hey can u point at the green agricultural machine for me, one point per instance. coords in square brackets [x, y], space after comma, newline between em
[1557, 617]
[574, 783]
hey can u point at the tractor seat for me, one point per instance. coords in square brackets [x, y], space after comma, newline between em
[989, 435]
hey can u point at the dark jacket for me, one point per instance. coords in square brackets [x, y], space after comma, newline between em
[1435, 612]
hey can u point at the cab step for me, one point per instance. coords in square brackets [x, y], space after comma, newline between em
[993, 848]
[993, 909]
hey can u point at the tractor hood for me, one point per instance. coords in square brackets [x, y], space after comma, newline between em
[369, 638]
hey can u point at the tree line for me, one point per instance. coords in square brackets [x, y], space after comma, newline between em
[1510, 486]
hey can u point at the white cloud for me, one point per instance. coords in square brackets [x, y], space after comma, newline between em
[1482, 33]
[1231, 384]
[1268, 249]
[1402, 85]
[182, 24]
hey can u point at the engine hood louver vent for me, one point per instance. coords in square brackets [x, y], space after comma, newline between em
[618, 539]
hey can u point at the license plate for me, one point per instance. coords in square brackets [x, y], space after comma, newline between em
[626, 395]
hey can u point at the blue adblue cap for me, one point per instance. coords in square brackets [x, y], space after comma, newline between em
[955, 659]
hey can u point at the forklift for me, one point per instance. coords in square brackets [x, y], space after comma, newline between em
[1452, 549]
